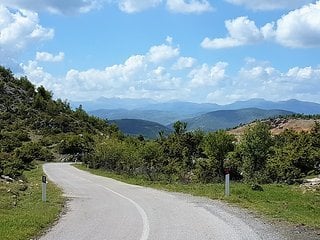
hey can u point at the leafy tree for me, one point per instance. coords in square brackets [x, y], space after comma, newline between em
[216, 147]
[315, 138]
[33, 151]
[255, 149]
[76, 144]
[152, 159]
[293, 157]
[45, 94]
[180, 127]
[6, 74]
[10, 166]
[26, 85]
[180, 151]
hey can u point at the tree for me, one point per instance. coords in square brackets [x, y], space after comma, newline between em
[255, 149]
[315, 138]
[151, 156]
[6, 74]
[46, 95]
[294, 155]
[180, 127]
[216, 147]
[33, 151]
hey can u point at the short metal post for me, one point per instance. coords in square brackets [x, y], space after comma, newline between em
[227, 185]
[44, 188]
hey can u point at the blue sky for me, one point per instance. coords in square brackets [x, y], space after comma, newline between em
[216, 51]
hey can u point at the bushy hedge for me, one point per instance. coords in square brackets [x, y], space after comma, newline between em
[184, 156]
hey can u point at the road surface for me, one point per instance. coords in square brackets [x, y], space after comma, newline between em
[104, 209]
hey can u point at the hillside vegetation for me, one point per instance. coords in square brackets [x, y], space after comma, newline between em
[35, 127]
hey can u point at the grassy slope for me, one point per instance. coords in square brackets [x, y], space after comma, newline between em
[30, 216]
[277, 202]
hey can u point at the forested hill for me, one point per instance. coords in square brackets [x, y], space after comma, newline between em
[137, 127]
[31, 121]
[224, 119]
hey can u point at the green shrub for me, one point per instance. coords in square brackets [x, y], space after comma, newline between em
[10, 166]
[33, 151]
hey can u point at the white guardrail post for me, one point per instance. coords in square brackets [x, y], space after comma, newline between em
[227, 183]
[44, 188]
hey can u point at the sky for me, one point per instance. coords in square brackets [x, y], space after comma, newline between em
[216, 51]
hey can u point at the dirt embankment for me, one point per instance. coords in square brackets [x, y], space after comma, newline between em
[279, 125]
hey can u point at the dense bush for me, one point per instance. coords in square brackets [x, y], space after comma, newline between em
[10, 166]
[33, 151]
[116, 155]
[184, 156]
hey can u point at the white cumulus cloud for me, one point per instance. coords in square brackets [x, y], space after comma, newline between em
[162, 52]
[19, 30]
[207, 76]
[299, 28]
[55, 6]
[241, 31]
[265, 5]
[189, 6]
[261, 80]
[184, 62]
[49, 57]
[132, 6]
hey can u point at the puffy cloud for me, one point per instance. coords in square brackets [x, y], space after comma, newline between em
[177, 6]
[115, 76]
[207, 76]
[132, 6]
[48, 57]
[55, 6]
[189, 6]
[141, 77]
[270, 4]
[162, 52]
[241, 31]
[19, 29]
[128, 6]
[303, 73]
[39, 76]
[184, 62]
[261, 80]
[298, 29]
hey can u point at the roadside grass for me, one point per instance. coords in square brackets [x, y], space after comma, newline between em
[277, 202]
[23, 215]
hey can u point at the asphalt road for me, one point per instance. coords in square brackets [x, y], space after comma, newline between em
[102, 208]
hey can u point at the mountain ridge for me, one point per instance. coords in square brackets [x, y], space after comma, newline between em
[137, 127]
[225, 119]
[169, 112]
[212, 121]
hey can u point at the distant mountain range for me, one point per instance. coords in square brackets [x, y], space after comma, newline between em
[162, 117]
[136, 127]
[212, 121]
[169, 112]
[292, 105]
[224, 119]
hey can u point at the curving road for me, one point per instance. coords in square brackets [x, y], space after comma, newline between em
[102, 208]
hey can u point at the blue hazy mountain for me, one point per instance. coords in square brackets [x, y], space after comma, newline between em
[136, 127]
[224, 119]
[293, 105]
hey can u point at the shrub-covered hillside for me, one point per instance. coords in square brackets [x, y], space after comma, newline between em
[34, 126]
